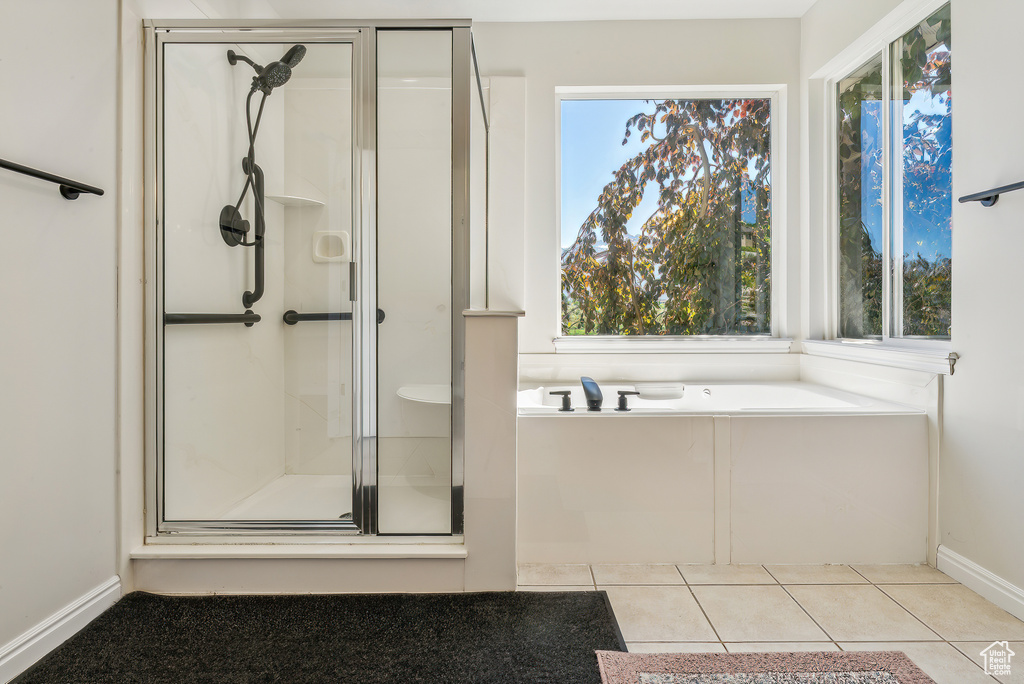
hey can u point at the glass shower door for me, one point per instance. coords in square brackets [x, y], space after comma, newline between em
[258, 225]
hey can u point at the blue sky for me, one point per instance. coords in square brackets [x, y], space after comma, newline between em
[919, 235]
[592, 150]
[592, 132]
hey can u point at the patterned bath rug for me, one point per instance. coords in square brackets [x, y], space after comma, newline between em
[878, 667]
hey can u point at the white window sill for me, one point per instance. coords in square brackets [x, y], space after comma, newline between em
[931, 359]
[607, 344]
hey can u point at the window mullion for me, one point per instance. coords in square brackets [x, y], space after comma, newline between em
[896, 199]
[887, 195]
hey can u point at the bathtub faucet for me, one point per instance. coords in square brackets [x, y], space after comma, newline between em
[593, 393]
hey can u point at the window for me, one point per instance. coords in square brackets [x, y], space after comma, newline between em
[666, 216]
[894, 182]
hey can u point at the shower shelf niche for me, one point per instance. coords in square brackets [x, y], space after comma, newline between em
[295, 201]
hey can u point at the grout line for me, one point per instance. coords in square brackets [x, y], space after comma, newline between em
[962, 652]
[927, 626]
[705, 614]
[593, 577]
[823, 630]
[860, 573]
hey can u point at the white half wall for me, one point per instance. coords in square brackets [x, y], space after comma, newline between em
[58, 278]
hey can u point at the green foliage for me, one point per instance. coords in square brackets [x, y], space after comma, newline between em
[694, 267]
[927, 292]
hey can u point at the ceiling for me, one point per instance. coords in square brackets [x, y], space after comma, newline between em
[479, 10]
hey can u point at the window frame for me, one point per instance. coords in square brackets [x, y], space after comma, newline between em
[911, 352]
[775, 341]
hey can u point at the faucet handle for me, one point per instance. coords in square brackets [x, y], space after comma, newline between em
[566, 399]
[622, 399]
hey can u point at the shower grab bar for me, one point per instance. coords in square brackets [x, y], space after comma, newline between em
[248, 318]
[291, 317]
[69, 189]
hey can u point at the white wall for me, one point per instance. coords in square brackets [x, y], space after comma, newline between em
[58, 75]
[620, 53]
[980, 464]
[981, 507]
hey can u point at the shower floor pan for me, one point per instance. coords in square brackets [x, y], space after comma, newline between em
[411, 505]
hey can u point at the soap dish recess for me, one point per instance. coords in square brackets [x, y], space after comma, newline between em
[331, 246]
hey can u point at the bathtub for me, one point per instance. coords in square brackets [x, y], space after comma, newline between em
[780, 473]
[767, 398]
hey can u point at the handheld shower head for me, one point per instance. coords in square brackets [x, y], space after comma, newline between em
[276, 74]
[294, 55]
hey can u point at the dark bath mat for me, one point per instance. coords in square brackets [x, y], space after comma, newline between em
[527, 637]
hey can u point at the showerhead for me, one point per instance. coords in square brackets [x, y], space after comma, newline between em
[276, 74]
[294, 55]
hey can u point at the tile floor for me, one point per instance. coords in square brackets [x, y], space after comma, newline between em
[942, 625]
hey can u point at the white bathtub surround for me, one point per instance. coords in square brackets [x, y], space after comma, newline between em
[785, 473]
[593, 492]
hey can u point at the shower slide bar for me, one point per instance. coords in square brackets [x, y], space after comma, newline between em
[69, 189]
[248, 318]
[291, 317]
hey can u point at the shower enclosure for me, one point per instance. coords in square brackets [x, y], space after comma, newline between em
[310, 238]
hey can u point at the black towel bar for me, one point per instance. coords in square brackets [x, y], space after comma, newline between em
[69, 189]
[990, 197]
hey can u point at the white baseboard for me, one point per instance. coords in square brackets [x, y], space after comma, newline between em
[21, 653]
[968, 573]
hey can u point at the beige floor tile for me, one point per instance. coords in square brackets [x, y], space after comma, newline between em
[726, 574]
[532, 574]
[956, 612]
[658, 614]
[937, 659]
[780, 647]
[674, 647]
[815, 574]
[557, 587]
[973, 649]
[637, 574]
[903, 574]
[756, 614]
[859, 613]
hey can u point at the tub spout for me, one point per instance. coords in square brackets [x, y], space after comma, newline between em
[593, 393]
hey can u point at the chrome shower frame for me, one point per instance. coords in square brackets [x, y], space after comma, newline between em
[362, 35]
